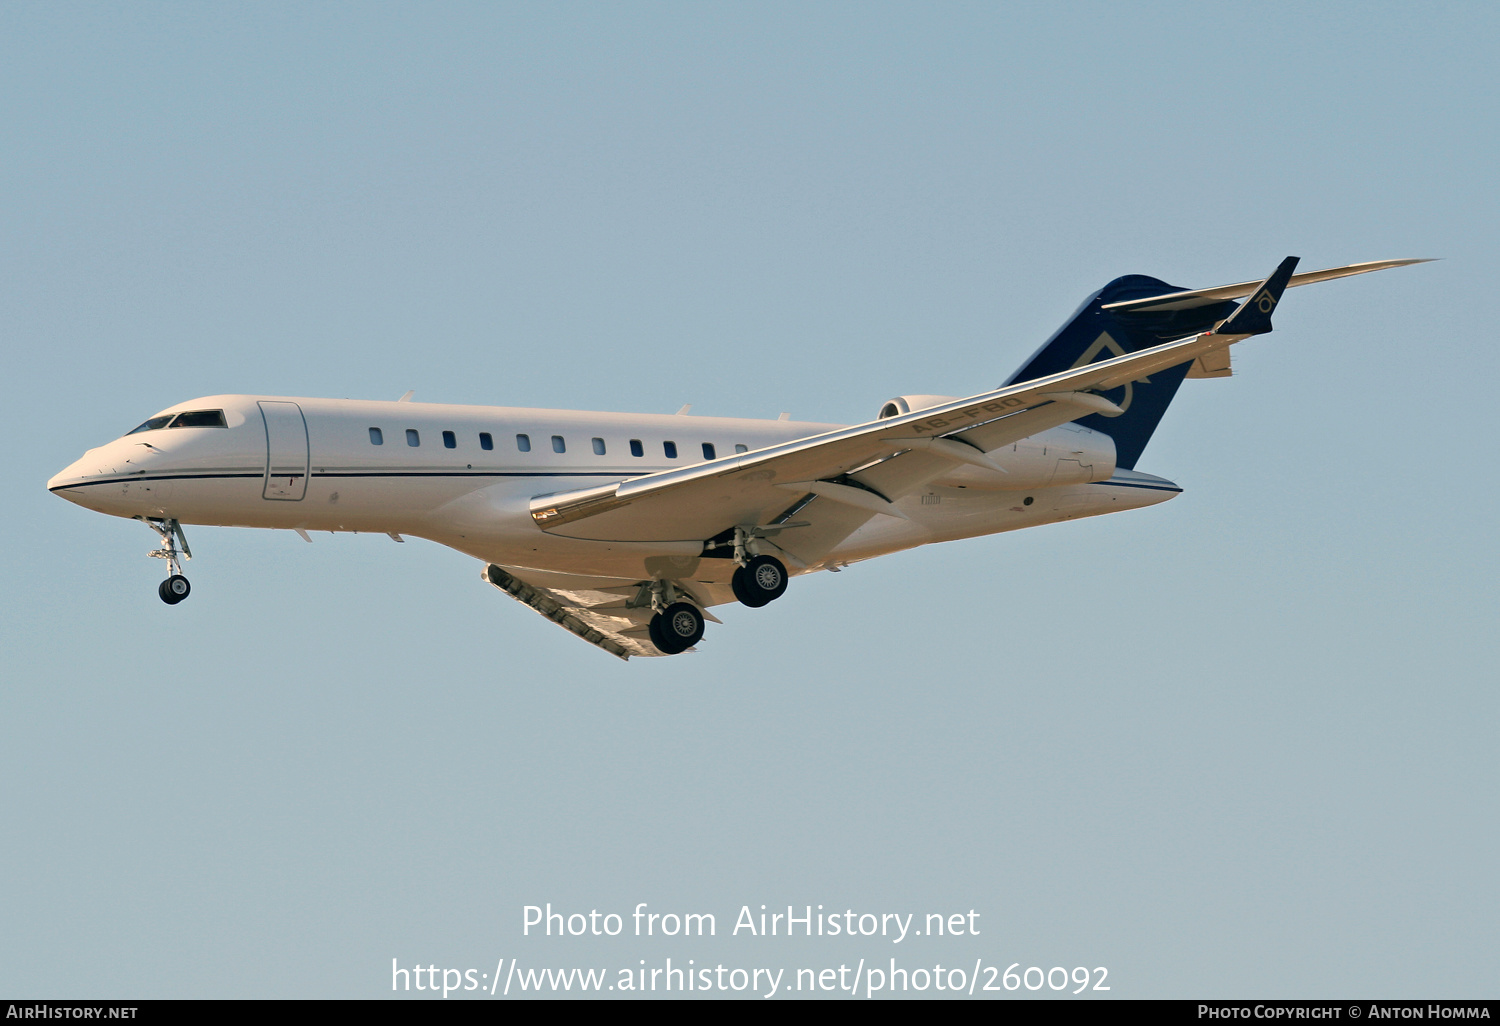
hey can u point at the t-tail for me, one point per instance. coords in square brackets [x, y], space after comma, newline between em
[1137, 312]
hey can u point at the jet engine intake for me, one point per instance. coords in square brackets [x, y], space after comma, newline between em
[904, 404]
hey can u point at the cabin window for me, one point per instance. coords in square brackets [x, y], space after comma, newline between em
[558, 445]
[636, 448]
[708, 450]
[523, 443]
[598, 447]
[670, 448]
[151, 425]
[412, 438]
[200, 418]
[741, 448]
[450, 440]
[376, 438]
[485, 441]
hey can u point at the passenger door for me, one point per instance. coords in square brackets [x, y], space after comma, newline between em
[286, 451]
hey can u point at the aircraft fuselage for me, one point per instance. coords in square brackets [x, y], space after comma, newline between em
[463, 476]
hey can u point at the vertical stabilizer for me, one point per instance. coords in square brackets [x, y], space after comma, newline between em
[1094, 334]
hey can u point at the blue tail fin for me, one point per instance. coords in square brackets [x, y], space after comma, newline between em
[1094, 334]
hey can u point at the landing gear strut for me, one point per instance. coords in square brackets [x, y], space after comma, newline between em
[176, 587]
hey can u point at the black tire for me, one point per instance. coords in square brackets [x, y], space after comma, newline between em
[174, 589]
[759, 581]
[677, 628]
[654, 629]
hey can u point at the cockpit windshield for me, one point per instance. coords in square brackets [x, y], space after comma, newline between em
[152, 424]
[192, 418]
[200, 418]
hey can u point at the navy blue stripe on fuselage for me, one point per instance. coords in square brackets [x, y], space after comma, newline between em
[260, 475]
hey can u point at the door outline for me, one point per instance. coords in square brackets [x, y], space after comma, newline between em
[288, 455]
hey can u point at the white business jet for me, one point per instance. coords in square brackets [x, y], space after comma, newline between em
[626, 528]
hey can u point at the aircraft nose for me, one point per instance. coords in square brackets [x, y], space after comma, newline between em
[66, 481]
[72, 481]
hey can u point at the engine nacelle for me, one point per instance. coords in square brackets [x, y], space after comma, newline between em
[904, 404]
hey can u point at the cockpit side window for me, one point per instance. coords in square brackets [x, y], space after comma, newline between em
[192, 418]
[152, 424]
[200, 418]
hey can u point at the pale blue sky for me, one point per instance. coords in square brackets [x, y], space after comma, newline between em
[1238, 744]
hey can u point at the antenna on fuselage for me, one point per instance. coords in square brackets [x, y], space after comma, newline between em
[407, 397]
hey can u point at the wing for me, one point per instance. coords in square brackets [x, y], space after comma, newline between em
[852, 473]
[810, 494]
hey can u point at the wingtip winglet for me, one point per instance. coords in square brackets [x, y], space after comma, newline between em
[1253, 316]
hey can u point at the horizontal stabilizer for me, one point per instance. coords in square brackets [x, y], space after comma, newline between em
[1207, 297]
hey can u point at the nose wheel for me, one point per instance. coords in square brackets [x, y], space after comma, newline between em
[176, 587]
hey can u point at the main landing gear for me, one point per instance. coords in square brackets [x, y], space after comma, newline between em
[677, 625]
[677, 628]
[759, 578]
[176, 587]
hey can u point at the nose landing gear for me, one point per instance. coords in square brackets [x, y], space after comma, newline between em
[176, 587]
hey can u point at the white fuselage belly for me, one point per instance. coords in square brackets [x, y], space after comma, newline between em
[476, 500]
